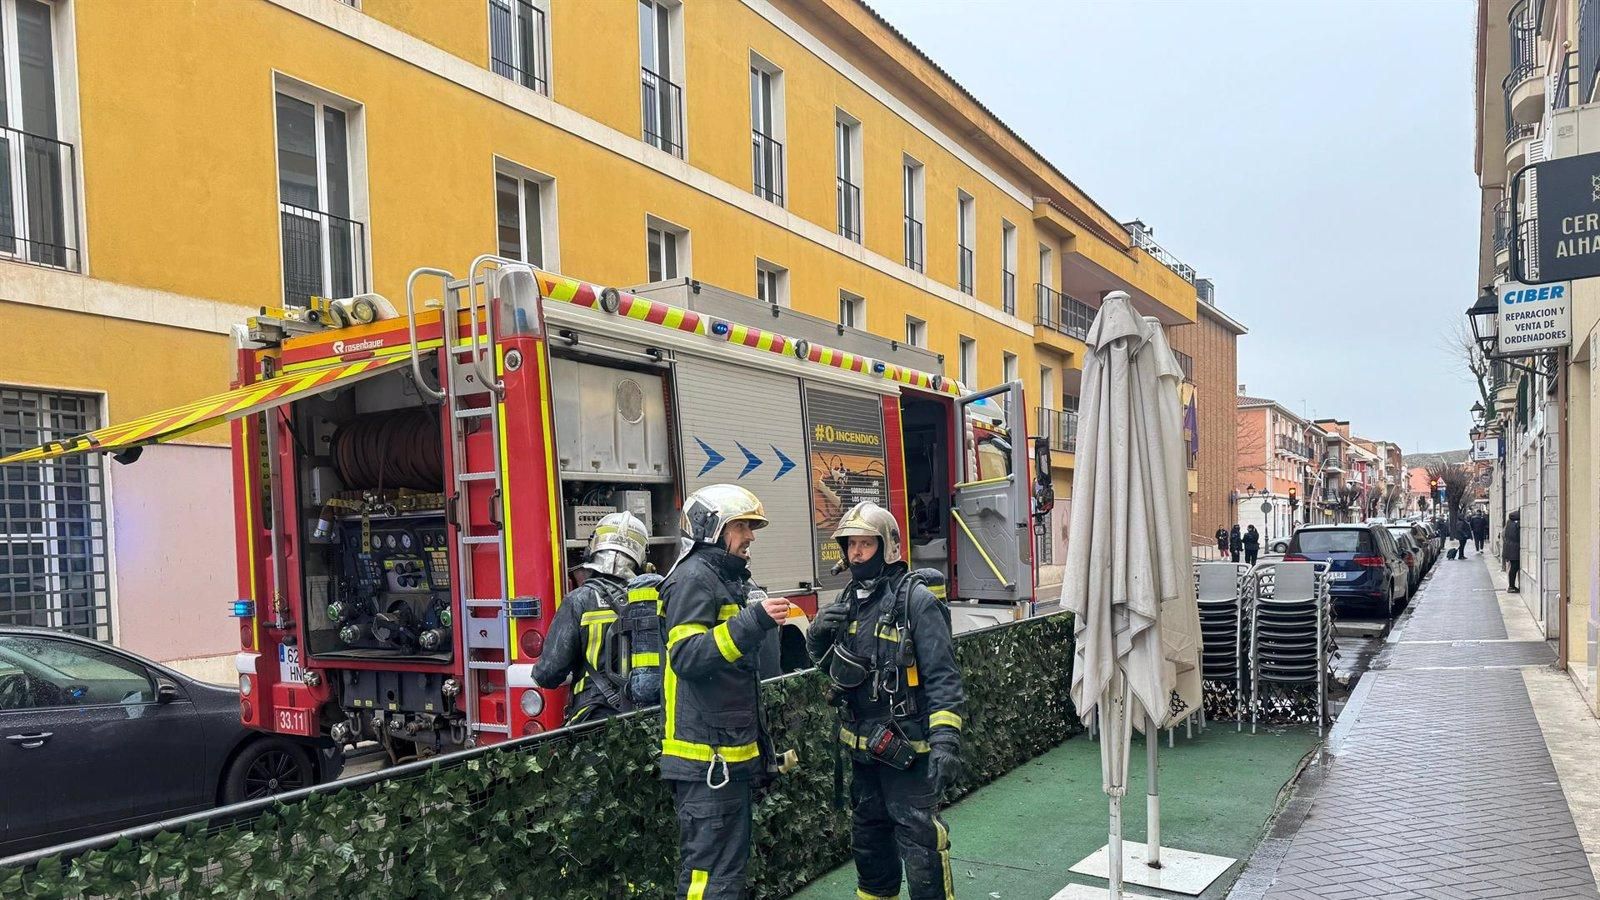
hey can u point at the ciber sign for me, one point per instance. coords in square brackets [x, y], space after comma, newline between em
[1533, 317]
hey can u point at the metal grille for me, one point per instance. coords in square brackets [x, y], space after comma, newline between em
[54, 568]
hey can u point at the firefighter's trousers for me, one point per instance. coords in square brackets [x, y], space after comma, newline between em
[895, 818]
[713, 839]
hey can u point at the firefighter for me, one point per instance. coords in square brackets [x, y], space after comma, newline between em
[886, 645]
[581, 643]
[714, 747]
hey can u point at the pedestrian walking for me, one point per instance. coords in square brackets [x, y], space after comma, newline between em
[1222, 541]
[885, 644]
[1252, 544]
[1463, 534]
[1235, 543]
[1511, 549]
[711, 747]
[1480, 530]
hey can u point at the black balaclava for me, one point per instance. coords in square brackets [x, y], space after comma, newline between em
[868, 572]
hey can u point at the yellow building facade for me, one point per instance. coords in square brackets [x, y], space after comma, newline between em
[176, 165]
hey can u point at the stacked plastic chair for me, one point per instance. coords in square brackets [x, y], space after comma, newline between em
[1290, 637]
[1222, 627]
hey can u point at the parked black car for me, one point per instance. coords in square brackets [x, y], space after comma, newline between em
[97, 739]
[1366, 568]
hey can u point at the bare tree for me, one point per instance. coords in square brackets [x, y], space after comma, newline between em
[1456, 480]
[1461, 346]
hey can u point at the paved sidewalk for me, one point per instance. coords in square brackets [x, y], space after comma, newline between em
[1438, 782]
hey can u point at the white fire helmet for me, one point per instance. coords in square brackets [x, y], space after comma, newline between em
[710, 509]
[617, 546]
[868, 519]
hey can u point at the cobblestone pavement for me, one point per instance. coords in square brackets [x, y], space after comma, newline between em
[1441, 785]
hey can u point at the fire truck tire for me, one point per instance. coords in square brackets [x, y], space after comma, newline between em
[267, 766]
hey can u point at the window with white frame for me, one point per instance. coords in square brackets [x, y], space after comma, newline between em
[965, 224]
[852, 310]
[55, 569]
[847, 155]
[525, 221]
[1008, 367]
[519, 41]
[772, 283]
[324, 241]
[913, 197]
[967, 362]
[38, 205]
[916, 332]
[667, 250]
[1008, 267]
[766, 129]
[660, 56]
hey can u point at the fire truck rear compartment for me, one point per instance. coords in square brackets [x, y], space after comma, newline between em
[375, 541]
[926, 425]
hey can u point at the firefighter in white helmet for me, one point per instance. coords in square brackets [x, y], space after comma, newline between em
[886, 646]
[583, 642]
[713, 748]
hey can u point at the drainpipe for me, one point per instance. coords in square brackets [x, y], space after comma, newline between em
[1563, 548]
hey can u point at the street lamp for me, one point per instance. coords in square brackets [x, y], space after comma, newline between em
[1481, 316]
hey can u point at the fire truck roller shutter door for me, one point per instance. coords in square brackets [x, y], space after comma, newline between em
[744, 426]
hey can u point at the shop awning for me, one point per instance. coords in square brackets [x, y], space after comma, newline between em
[199, 415]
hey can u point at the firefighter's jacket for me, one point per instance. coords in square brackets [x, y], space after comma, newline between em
[581, 643]
[920, 687]
[711, 687]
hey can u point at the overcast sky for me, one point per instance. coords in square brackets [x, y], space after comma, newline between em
[1314, 159]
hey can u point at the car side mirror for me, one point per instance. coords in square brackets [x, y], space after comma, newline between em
[166, 691]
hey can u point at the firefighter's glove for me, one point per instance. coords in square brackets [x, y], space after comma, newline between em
[825, 630]
[944, 764]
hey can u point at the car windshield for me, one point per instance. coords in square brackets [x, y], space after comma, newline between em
[1341, 540]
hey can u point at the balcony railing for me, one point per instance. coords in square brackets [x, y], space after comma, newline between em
[1514, 132]
[1144, 239]
[1297, 448]
[964, 274]
[516, 43]
[1588, 48]
[663, 112]
[1063, 313]
[849, 203]
[914, 258]
[39, 200]
[1059, 428]
[1522, 31]
[1566, 82]
[1186, 363]
[766, 162]
[1008, 292]
[1502, 225]
[324, 255]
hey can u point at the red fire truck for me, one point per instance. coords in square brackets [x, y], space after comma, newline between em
[412, 486]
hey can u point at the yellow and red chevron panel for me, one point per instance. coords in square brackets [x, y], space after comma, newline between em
[655, 312]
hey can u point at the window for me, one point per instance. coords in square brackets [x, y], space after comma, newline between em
[1008, 267]
[525, 215]
[38, 205]
[912, 189]
[1008, 367]
[852, 310]
[847, 150]
[964, 228]
[54, 567]
[916, 332]
[324, 247]
[56, 672]
[667, 247]
[772, 283]
[967, 373]
[518, 38]
[660, 49]
[766, 129]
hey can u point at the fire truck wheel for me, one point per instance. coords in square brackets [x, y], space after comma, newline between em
[267, 766]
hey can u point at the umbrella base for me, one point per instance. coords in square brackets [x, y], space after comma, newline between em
[1084, 892]
[1181, 871]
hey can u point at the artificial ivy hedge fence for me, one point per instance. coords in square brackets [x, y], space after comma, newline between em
[576, 814]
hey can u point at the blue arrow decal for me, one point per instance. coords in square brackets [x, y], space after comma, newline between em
[784, 463]
[752, 462]
[713, 458]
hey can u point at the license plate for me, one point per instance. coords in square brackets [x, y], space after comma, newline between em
[1340, 576]
[289, 664]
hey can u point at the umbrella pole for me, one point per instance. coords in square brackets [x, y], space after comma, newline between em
[1152, 841]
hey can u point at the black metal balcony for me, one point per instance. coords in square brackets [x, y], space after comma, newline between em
[1514, 132]
[914, 258]
[766, 162]
[1058, 427]
[964, 269]
[1061, 312]
[324, 255]
[1502, 226]
[1186, 363]
[663, 112]
[1008, 292]
[1566, 82]
[848, 197]
[1522, 31]
[516, 43]
[39, 224]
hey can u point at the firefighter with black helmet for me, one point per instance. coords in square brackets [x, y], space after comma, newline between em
[714, 749]
[585, 642]
[887, 648]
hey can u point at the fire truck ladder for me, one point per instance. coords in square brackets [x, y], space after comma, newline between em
[470, 375]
